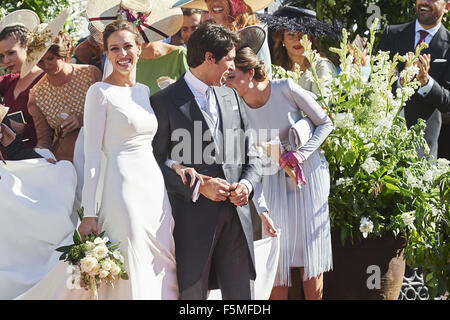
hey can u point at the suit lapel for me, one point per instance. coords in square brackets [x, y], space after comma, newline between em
[408, 39]
[224, 109]
[439, 44]
[188, 105]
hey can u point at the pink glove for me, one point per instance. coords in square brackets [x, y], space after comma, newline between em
[293, 159]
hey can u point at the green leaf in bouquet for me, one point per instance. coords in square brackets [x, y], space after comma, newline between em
[101, 235]
[124, 276]
[76, 237]
[80, 213]
[64, 249]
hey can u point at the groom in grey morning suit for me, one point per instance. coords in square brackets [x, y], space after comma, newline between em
[213, 229]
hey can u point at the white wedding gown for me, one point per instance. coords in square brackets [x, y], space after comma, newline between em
[36, 200]
[135, 208]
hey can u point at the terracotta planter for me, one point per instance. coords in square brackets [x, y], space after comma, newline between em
[372, 269]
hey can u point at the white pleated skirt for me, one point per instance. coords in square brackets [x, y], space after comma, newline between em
[302, 215]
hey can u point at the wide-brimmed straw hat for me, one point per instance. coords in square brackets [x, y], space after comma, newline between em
[24, 17]
[301, 20]
[255, 5]
[155, 19]
[41, 39]
[252, 37]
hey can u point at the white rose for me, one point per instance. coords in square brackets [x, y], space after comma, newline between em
[103, 274]
[106, 265]
[366, 226]
[88, 263]
[94, 271]
[99, 240]
[115, 270]
[90, 245]
[100, 251]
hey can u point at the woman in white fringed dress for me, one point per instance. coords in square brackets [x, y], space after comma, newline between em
[135, 209]
[301, 213]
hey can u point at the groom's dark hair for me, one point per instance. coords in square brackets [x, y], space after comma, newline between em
[210, 37]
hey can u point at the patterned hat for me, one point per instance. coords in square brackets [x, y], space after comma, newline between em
[41, 39]
[155, 19]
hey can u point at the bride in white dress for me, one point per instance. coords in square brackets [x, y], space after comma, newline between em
[135, 208]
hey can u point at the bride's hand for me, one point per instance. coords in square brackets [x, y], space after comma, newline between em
[87, 226]
[269, 228]
[182, 171]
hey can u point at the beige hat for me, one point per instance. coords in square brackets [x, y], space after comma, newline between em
[155, 19]
[25, 18]
[41, 39]
[255, 5]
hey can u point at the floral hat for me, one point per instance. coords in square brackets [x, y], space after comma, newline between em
[41, 39]
[301, 20]
[252, 37]
[155, 19]
[26, 18]
[236, 5]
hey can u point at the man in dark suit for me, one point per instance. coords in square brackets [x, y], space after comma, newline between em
[433, 97]
[196, 119]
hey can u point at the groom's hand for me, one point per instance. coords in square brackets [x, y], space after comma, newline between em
[215, 189]
[239, 195]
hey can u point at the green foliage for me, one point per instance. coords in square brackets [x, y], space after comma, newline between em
[379, 185]
[44, 9]
[355, 12]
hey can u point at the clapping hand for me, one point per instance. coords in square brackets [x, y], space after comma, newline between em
[423, 63]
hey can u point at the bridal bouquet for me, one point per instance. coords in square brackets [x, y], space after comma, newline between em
[94, 260]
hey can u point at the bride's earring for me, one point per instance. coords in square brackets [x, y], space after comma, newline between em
[250, 84]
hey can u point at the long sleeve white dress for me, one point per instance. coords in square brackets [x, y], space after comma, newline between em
[301, 213]
[135, 209]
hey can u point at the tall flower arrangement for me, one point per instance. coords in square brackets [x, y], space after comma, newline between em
[379, 184]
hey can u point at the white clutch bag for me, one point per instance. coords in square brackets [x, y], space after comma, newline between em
[301, 130]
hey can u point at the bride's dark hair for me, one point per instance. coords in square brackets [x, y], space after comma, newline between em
[120, 25]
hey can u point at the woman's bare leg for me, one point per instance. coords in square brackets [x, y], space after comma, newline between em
[279, 293]
[312, 287]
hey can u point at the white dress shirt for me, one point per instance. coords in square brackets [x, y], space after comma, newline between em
[205, 98]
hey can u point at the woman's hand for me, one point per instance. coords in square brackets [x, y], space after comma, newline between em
[182, 171]
[6, 135]
[87, 226]
[18, 127]
[269, 228]
[71, 123]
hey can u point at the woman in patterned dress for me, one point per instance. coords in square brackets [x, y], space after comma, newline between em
[56, 102]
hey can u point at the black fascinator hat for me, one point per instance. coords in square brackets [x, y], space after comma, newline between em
[301, 20]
